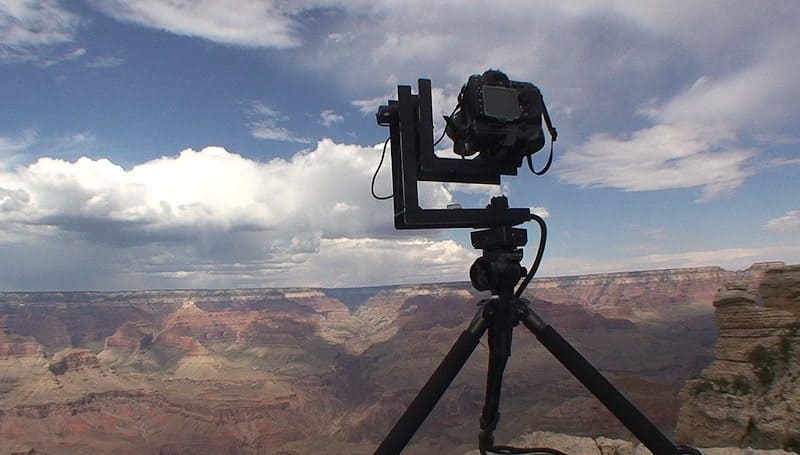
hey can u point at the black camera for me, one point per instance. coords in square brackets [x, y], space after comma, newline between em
[499, 119]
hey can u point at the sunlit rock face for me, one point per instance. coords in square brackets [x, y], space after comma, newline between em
[299, 370]
[607, 446]
[749, 394]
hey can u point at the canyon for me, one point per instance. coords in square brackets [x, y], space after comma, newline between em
[295, 371]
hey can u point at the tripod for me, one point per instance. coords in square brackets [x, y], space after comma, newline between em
[498, 270]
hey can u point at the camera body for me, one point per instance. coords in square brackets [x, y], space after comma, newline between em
[499, 119]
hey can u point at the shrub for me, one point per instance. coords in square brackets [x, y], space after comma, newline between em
[58, 368]
[721, 384]
[786, 344]
[764, 363]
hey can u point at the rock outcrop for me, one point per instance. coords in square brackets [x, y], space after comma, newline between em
[15, 346]
[73, 360]
[605, 446]
[749, 394]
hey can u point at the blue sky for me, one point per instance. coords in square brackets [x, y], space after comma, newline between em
[209, 143]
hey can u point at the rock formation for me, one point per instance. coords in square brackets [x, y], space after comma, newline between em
[582, 445]
[750, 394]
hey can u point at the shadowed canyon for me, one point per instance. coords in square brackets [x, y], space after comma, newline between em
[296, 371]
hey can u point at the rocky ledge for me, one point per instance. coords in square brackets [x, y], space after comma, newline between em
[605, 446]
[749, 394]
[73, 360]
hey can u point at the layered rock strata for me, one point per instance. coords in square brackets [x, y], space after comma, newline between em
[750, 393]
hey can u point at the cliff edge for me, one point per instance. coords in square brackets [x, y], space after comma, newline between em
[750, 393]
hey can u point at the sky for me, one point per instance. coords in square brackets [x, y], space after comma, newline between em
[217, 144]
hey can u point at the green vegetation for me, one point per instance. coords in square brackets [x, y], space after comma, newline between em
[786, 344]
[767, 363]
[764, 362]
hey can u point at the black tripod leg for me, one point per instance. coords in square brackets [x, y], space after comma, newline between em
[429, 395]
[499, 351]
[596, 383]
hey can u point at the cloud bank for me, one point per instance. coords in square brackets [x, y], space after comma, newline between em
[212, 217]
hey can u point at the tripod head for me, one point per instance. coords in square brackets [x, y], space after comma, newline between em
[498, 269]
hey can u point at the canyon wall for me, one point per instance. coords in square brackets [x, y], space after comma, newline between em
[299, 370]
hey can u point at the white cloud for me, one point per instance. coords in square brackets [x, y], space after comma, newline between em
[10, 145]
[269, 127]
[37, 31]
[721, 78]
[788, 222]
[260, 108]
[11, 148]
[329, 117]
[369, 261]
[657, 158]
[694, 139]
[242, 23]
[223, 218]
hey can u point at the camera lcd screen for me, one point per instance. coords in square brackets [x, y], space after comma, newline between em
[500, 102]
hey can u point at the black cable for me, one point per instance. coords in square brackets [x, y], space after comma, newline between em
[503, 450]
[441, 137]
[539, 254]
[375, 175]
[553, 138]
[447, 122]
[546, 166]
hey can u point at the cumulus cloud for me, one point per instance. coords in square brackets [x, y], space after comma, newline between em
[37, 31]
[214, 215]
[788, 222]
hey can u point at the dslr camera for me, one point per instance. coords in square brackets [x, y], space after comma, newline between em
[498, 119]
